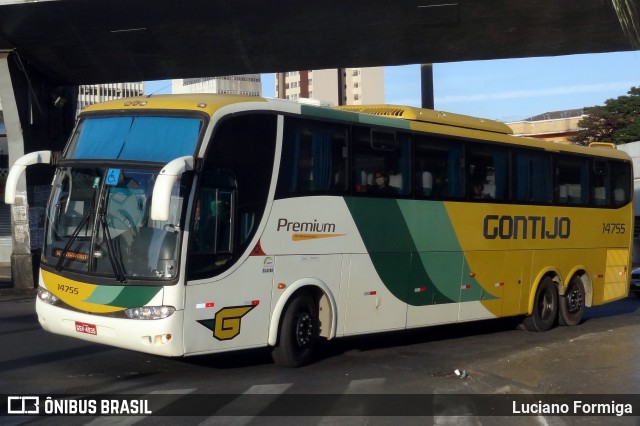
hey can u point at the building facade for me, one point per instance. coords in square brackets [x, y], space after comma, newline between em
[246, 84]
[341, 86]
[556, 126]
[96, 93]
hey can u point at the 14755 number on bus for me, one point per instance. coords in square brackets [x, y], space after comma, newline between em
[613, 228]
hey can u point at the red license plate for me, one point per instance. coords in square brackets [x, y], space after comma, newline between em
[83, 327]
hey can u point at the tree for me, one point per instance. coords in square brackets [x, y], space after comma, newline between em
[617, 121]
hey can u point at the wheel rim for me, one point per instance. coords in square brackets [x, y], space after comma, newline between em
[546, 305]
[304, 330]
[574, 299]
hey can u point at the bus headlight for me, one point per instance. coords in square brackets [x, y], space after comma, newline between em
[150, 312]
[47, 297]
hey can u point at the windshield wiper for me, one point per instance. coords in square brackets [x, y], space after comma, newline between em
[116, 262]
[74, 235]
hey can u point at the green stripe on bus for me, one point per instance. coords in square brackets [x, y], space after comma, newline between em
[104, 295]
[333, 114]
[384, 121]
[330, 114]
[393, 251]
[123, 297]
[414, 249]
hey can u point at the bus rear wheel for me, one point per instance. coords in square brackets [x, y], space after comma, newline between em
[572, 304]
[545, 307]
[298, 333]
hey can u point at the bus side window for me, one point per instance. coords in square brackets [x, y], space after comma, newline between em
[620, 186]
[438, 172]
[571, 180]
[314, 159]
[533, 177]
[381, 162]
[600, 183]
[487, 172]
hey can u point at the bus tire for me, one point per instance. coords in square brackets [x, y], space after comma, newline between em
[572, 303]
[298, 333]
[545, 307]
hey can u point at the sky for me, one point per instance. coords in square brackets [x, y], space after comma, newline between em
[506, 89]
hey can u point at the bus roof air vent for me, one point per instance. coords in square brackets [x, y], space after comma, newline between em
[429, 116]
[606, 145]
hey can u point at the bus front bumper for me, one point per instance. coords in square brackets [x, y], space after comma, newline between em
[159, 337]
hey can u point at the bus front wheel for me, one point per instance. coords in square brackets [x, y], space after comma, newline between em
[298, 333]
[545, 307]
[572, 304]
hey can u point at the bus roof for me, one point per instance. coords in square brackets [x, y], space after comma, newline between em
[205, 102]
[430, 116]
[209, 103]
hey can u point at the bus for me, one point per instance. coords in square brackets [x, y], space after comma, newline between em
[181, 225]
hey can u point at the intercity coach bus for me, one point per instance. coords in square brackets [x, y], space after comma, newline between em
[191, 224]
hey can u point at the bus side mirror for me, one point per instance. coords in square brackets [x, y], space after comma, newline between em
[164, 186]
[18, 168]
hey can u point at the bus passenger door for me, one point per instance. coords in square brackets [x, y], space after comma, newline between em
[228, 297]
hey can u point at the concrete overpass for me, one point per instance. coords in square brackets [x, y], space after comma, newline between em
[97, 41]
[49, 47]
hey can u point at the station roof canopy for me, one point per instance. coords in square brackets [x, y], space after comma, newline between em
[100, 41]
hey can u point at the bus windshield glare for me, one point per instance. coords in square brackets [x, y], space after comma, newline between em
[98, 222]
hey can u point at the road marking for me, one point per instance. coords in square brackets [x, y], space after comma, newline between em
[355, 387]
[239, 405]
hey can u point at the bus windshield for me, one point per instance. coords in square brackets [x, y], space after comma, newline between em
[98, 222]
[141, 138]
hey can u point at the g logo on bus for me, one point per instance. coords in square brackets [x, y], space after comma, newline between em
[226, 324]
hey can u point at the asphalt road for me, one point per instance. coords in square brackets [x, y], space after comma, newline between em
[492, 358]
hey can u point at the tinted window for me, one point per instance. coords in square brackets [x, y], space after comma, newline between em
[533, 177]
[241, 153]
[438, 168]
[381, 162]
[487, 172]
[571, 180]
[314, 158]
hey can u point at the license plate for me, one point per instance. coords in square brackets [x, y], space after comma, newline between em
[83, 327]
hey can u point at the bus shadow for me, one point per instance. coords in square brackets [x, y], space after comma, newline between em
[626, 306]
[416, 336]
[232, 360]
[401, 338]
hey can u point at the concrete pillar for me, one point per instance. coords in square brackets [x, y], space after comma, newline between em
[426, 80]
[21, 259]
[39, 115]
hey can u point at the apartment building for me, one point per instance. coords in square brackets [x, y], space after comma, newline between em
[246, 84]
[341, 86]
[96, 93]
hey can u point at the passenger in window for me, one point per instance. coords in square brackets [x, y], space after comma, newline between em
[478, 190]
[381, 184]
